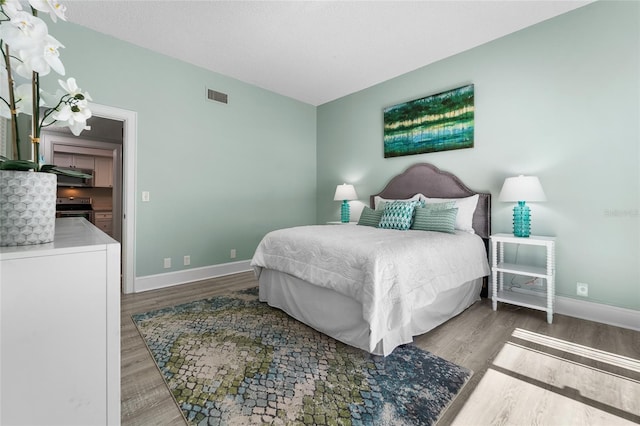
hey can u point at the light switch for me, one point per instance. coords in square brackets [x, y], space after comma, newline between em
[145, 196]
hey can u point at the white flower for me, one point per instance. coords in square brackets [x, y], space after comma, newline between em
[74, 116]
[74, 110]
[41, 58]
[71, 87]
[53, 7]
[21, 94]
[24, 99]
[11, 7]
[31, 51]
[24, 31]
[4, 93]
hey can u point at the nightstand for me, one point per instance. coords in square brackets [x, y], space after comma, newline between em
[517, 296]
[341, 223]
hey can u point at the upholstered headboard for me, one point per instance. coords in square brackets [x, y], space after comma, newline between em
[428, 180]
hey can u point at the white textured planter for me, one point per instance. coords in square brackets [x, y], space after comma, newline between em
[27, 207]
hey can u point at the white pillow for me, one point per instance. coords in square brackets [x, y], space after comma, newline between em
[377, 201]
[466, 207]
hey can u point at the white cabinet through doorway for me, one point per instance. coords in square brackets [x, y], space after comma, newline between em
[103, 175]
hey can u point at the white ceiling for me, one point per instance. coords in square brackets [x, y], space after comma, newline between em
[313, 51]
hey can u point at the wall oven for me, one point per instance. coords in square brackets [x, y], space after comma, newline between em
[75, 207]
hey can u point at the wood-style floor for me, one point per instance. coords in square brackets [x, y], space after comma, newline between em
[479, 339]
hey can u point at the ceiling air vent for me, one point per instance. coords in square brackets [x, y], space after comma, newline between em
[213, 95]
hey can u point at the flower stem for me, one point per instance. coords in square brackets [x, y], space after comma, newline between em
[35, 118]
[15, 140]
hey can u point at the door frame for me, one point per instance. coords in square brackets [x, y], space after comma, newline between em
[129, 151]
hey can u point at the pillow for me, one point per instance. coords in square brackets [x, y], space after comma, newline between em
[398, 214]
[378, 202]
[442, 220]
[466, 207]
[370, 217]
[437, 206]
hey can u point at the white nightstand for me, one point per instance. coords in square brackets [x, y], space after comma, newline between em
[341, 223]
[499, 268]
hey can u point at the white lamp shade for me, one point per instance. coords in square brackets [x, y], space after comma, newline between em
[345, 192]
[522, 188]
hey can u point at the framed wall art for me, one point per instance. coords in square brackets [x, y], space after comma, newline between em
[439, 122]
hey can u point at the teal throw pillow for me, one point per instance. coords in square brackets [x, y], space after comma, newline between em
[370, 217]
[435, 220]
[398, 215]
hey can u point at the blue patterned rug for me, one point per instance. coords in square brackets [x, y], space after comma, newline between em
[232, 360]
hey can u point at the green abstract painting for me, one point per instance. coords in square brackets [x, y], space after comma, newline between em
[434, 123]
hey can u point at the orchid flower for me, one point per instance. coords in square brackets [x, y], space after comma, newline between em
[22, 96]
[24, 99]
[71, 87]
[73, 116]
[31, 52]
[5, 110]
[41, 58]
[54, 8]
[10, 7]
[24, 31]
[72, 110]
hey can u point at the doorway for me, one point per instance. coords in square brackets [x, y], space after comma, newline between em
[124, 154]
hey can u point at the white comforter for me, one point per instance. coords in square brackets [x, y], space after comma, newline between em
[389, 272]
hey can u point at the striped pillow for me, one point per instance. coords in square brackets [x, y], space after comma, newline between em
[370, 217]
[398, 215]
[435, 220]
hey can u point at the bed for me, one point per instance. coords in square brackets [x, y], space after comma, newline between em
[374, 288]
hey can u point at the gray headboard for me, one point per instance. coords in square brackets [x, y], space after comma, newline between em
[428, 180]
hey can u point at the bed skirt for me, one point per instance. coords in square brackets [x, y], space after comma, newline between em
[340, 316]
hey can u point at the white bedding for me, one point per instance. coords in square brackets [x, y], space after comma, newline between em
[390, 272]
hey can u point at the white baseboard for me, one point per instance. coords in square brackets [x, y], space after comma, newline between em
[154, 282]
[598, 312]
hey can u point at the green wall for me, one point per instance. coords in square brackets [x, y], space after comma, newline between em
[220, 177]
[559, 100]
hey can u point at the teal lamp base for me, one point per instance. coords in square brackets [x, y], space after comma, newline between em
[344, 212]
[521, 220]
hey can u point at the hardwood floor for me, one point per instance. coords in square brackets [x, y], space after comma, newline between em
[485, 341]
[145, 397]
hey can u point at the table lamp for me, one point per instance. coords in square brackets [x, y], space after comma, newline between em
[521, 189]
[345, 193]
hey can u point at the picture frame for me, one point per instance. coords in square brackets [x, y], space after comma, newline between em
[439, 122]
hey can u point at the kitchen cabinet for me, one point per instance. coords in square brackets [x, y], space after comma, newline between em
[60, 329]
[104, 221]
[103, 172]
[74, 161]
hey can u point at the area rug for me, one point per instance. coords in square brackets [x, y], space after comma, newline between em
[232, 360]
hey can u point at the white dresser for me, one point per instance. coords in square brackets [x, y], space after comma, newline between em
[60, 329]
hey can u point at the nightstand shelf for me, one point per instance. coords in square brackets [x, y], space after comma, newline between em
[530, 271]
[523, 297]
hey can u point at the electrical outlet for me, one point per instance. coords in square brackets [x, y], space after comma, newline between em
[167, 262]
[582, 289]
[187, 260]
[232, 255]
